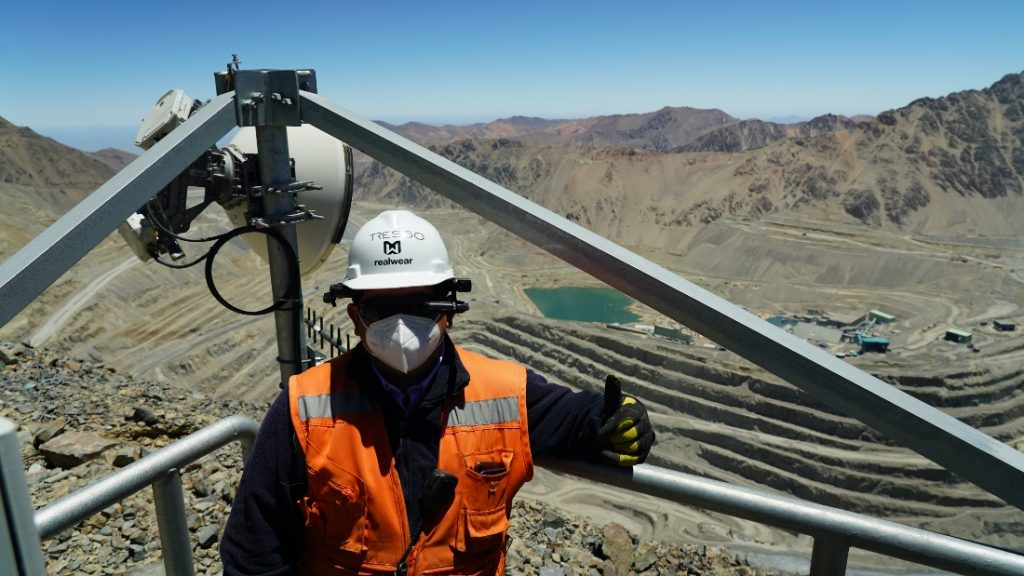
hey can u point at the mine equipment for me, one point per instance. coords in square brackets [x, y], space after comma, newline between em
[306, 180]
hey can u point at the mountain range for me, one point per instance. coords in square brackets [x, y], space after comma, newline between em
[665, 130]
[945, 166]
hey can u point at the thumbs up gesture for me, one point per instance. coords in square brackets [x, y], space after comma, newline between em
[626, 435]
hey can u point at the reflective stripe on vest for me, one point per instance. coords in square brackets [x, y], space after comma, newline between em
[481, 412]
[330, 405]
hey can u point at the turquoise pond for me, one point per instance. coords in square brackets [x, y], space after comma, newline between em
[583, 304]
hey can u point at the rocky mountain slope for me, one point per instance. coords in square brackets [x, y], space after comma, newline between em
[663, 129]
[668, 129]
[114, 158]
[943, 166]
[750, 134]
[58, 174]
[40, 179]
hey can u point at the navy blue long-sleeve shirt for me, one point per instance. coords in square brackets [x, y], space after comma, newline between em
[264, 532]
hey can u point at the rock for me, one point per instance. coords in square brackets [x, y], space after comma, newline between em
[8, 354]
[136, 551]
[553, 519]
[57, 477]
[143, 415]
[73, 448]
[117, 558]
[124, 457]
[207, 535]
[48, 431]
[646, 555]
[617, 545]
[201, 488]
[551, 571]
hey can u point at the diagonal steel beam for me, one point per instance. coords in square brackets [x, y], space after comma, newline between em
[41, 262]
[934, 434]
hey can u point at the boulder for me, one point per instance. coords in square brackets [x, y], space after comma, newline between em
[48, 431]
[617, 545]
[73, 448]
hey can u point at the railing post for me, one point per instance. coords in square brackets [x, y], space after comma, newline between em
[246, 442]
[829, 557]
[20, 550]
[173, 525]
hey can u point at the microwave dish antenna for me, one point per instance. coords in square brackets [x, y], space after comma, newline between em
[320, 158]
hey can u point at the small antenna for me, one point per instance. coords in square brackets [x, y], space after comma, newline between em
[233, 65]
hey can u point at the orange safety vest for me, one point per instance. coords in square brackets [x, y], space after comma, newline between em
[355, 517]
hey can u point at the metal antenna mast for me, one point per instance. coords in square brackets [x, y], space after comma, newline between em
[269, 101]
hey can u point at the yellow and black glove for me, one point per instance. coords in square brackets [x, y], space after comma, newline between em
[626, 435]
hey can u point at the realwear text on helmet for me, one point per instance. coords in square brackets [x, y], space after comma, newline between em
[391, 261]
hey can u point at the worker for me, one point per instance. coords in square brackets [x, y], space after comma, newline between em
[403, 455]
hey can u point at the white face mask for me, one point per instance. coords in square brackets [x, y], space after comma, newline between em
[402, 341]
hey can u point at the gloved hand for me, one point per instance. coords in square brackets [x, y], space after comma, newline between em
[626, 434]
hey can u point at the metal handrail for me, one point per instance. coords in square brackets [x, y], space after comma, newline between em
[835, 531]
[161, 471]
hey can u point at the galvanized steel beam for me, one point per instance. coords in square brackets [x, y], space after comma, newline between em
[952, 444]
[46, 257]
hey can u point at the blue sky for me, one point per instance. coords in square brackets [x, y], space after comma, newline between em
[87, 72]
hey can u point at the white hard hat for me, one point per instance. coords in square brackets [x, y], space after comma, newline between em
[397, 249]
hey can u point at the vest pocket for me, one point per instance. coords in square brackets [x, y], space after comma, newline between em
[335, 510]
[488, 465]
[486, 481]
[481, 531]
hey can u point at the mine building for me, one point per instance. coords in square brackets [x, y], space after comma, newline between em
[872, 343]
[881, 317]
[1004, 325]
[673, 333]
[959, 336]
[783, 321]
